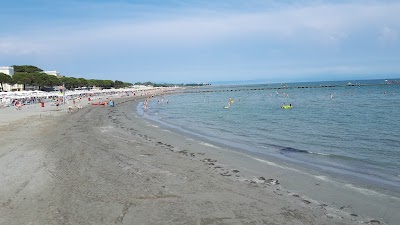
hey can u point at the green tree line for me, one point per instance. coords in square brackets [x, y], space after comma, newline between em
[28, 75]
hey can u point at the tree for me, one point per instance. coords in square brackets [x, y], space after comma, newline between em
[70, 82]
[4, 78]
[45, 80]
[102, 83]
[39, 79]
[82, 82]
[32, 75]
[52, 80]
[26, 69]
[108, 84]
[91, 83]
[127, 84]
[23, 78]
[118, 84]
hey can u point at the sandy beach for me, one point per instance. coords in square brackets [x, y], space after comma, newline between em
[107, 165]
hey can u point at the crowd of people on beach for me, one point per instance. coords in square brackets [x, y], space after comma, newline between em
[73, 99]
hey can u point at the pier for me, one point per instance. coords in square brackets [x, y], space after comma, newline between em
[199, 90]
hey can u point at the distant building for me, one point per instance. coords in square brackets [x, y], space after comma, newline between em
[52, 72]
[9, 70]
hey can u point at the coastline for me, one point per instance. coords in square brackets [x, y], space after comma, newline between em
[104, 165]
[316, 186]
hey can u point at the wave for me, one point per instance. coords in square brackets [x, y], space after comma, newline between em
[296, 150]
[323, 178]
[209, 145]
[277, 165]
[370, 192]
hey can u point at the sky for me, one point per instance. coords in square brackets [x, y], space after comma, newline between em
[186, 41]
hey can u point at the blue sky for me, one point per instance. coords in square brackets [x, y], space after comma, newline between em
[204, 41]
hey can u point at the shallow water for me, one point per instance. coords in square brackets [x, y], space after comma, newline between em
[349, 131]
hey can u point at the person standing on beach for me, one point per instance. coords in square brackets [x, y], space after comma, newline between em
[146, 103]
[18, 105]
[111, 103]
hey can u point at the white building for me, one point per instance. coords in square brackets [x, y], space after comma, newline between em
[9, 70]
[52, 72]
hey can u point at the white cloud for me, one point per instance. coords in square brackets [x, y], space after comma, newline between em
[388, 36]
[18, 46]
[316, 24]
[325, 24]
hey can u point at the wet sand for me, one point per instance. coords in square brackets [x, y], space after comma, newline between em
[104, 165]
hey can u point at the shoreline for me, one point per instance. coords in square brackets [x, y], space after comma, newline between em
[383, 186]
[360, 183]
[104, 165]
[317, 186]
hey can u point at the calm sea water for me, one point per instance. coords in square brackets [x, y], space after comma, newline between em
[351, 131]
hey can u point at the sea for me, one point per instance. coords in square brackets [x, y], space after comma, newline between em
[346, 129]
